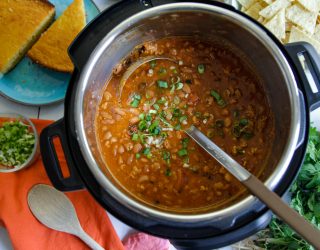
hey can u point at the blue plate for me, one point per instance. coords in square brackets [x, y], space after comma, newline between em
[32, 84]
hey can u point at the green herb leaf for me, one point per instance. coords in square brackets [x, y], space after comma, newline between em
[142, 125]
[162, 84]
[138, 156]
[162, 71]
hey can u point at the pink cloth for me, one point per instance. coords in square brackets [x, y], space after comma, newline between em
[142, 241]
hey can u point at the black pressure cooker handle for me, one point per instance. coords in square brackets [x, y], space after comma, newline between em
[311, 64]
[81, 48]
[51, 161]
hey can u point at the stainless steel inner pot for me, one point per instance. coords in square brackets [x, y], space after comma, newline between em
[209, 23]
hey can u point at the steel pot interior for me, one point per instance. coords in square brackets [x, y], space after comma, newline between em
[209, 23]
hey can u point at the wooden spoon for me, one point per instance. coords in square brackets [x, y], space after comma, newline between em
[53, 209]
[256, 187]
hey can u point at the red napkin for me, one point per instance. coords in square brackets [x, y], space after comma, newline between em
[26, 232]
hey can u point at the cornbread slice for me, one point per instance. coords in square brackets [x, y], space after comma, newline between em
[21, 23]
[51, 49]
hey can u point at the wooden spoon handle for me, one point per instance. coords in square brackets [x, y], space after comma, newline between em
[283, 211]
[88, 240]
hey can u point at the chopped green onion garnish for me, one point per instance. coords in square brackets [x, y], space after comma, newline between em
[156, 106]
[185, 142]
[218, 98]
[138, 155]
[141, 116]
[148, 117]
[201, 68]
[179, 85]
[146, 151]
[135, 100]
[135, 103]
[243, 122]
[176, 112]
[168, 172]
[173, 88]
[153, 63]
[135, 137]
[183, 118]
[182, 152]
[175, 79]
[177, 127]
[162, 101]
[162, 71]
[188, 81]
[166, 156]
[142, 125]
[162, 84]
[152, 111]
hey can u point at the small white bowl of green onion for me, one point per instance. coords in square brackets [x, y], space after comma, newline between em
[19, 145]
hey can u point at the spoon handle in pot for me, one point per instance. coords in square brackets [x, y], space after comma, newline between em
[88, 240]
[256, 187]
[283, 211]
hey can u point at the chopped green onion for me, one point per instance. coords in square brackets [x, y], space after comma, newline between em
[175, 79]
[153, 126]
[188, 81]
[168, 172]
[183, 118]
[152, 111]
[135, 100]
[162, 71]
[185, 142]
[172, 89]
[138, 156]
[176, 100]
[166, 156]
[179, 85]
[201, 68]
[141, 116]
[176, 112]
[148, 117]
[16, 143]
[135, 103]
[198, 114]
[182, 152]
[135, 137]
[177, 127]
[162, 84]
[142, 125]
[153, 63]
[243, 122]
[156, 106]
[236, 113]
[219, 123]
[146, 151]
[162, 101]
[218, 98]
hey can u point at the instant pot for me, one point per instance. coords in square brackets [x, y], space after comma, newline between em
[290, 75]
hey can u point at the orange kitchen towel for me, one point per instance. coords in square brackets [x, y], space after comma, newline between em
[26, 232]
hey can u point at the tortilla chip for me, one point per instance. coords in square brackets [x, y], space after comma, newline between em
[268, 1]
[316, 34]
[273, 8]
[298, 35]
[246, 3]
[301, 17]
[253, 11]
[311, 5]
[277, 25]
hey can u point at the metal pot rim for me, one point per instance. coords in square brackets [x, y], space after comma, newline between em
[252, 27]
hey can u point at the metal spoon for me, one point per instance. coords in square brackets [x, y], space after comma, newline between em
[256, 187]
[133, 67]
[53, 209]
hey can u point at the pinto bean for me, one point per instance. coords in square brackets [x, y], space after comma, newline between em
[120, 149]
[137, 147]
